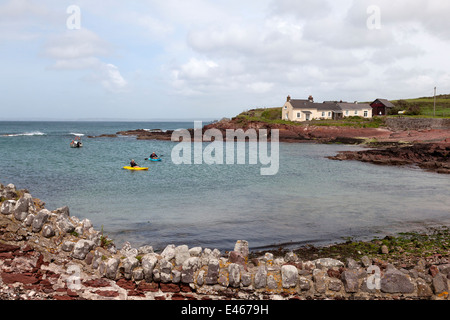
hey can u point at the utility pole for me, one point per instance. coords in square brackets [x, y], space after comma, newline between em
[434, 105]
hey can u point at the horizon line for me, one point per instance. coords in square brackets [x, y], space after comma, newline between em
[108, 120]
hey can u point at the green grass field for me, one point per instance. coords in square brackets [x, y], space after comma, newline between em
[425, 105]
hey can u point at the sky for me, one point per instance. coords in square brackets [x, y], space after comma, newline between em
[209, 59]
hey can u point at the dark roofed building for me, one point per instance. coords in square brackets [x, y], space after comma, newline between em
[307, 109]
[381, 107]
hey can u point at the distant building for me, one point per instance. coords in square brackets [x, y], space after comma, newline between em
[306, 110]
[381, 107]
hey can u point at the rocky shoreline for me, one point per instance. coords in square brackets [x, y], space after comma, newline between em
[141, 134]
[54, 256]
[397, 131]
[433, 157]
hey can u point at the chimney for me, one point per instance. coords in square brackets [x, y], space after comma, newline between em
[288, 98]
[310, 99]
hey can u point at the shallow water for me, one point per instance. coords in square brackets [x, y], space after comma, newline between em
[311, 200]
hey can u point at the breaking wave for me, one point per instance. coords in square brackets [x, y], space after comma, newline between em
[34, 133]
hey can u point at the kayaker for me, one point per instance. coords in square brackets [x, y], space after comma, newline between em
[153, 156]
[133, 164]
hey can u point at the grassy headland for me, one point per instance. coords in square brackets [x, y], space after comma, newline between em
[414, 108]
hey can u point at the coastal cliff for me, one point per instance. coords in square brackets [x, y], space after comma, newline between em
[52, 255]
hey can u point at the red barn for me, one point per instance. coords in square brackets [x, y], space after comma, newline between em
[380, 107]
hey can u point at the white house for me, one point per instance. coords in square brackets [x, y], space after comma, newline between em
[306, 110]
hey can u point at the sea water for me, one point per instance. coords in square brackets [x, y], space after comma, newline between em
[311, 200]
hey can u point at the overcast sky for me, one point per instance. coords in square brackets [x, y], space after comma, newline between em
[197, 59]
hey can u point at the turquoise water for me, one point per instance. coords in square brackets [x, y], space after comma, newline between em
[310, 200]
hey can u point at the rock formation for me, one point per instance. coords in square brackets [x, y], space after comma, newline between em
[429, 156]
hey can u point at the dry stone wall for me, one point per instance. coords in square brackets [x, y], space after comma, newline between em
[408, 123]
[53, 255]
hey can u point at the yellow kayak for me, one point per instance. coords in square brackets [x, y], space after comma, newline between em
[135, 168]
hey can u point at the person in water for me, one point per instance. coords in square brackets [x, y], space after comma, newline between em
[153, 156]
[133, 163]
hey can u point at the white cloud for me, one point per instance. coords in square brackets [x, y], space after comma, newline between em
[396, 52]
[260, 87]
[304, 9]
[14, 10]
[154, 27]
[262, 56]
[235, 52]
[402, 14]
[83, 49]
[76, 44]
[321, 45]
[111, 78]
[24, 20]
[196, 69]
[76, 64]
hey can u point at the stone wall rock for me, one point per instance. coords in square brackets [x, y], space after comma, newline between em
[289, 275]
[8, 207]
[39, 220]
[395, 281]
[22, 206]
[82, 248]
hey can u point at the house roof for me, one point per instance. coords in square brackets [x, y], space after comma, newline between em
[327, 106]
[354, 106]
[306, 104]
[297, 104]
[385, 102]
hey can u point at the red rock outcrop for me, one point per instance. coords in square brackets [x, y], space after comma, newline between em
[429, 156]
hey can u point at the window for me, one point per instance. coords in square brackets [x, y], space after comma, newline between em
[299, 115]
[366, 114]
[329, 113]
[346, 112]
[323, 113]
[356, 112]
[285, 107]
